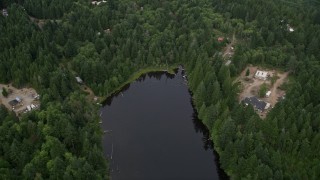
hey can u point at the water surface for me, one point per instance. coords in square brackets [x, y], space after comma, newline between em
[153, 132]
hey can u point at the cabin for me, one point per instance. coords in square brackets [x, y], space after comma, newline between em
[18, 99]
[261, 75]
[97, 2]
[268, 94]
[13, 103]
[256, 103]
[220, 39]
[79, 80]
[290, 29]
[107, 31]
[5, 12]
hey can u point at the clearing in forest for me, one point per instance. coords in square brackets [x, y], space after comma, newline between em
[264, 85]
[229, 49]
[19, 100]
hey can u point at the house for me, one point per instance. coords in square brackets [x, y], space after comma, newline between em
[97, 2]
[79, 80]
[107, 31]
[18, 99]
[290, 29]
[220, 39]
[261, 75]
[13, 103]
[256, 103]
[268, 94]
[5, 12]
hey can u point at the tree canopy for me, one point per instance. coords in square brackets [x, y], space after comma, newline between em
[45, 44]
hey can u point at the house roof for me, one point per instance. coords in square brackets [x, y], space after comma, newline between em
[4, 12]
[13, 102]
[79, 80]
[268, 93]
[262, 73]
[220, 39]
[255, 102]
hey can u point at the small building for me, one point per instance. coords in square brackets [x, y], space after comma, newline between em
[256, 103]
[261, 75]
[267, 106]
[97, 2]
[79, 80]
[13, 103]
[18, 99]
[29, 108]
[220, 39]
[5, 12]
[228, 63]
[268, 94]
[36, 96]
[107, 31]
[290, 29]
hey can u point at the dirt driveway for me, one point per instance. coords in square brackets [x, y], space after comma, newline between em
[275, 91]
[229, 49]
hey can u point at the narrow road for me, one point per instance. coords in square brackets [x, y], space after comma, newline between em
[228, 49]
[274, 95]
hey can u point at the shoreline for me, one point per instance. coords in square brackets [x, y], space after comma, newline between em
[135, 76]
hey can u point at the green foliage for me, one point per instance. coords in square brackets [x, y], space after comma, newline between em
[263, 90]
[106, 44]
[5, 92]
[248, 72]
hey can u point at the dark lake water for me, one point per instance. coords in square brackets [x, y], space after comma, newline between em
[153, 132]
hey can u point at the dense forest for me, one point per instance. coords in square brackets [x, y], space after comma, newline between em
[105, 44]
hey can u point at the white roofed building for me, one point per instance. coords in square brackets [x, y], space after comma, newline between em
[79, 80]
[261, 75]
[268, 94]
[5, 12]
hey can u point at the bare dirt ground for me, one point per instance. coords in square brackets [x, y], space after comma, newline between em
[27, 95]
[250, 86]
[275, 91]
[229, 49]
[91, 96]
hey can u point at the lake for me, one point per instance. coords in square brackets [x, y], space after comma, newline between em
[152, 132]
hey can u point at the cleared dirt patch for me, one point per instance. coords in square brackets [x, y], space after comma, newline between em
[229, 49]
[90, 94]
[250, 86]
[25, 99]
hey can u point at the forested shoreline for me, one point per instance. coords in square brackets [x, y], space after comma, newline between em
[105, 44]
